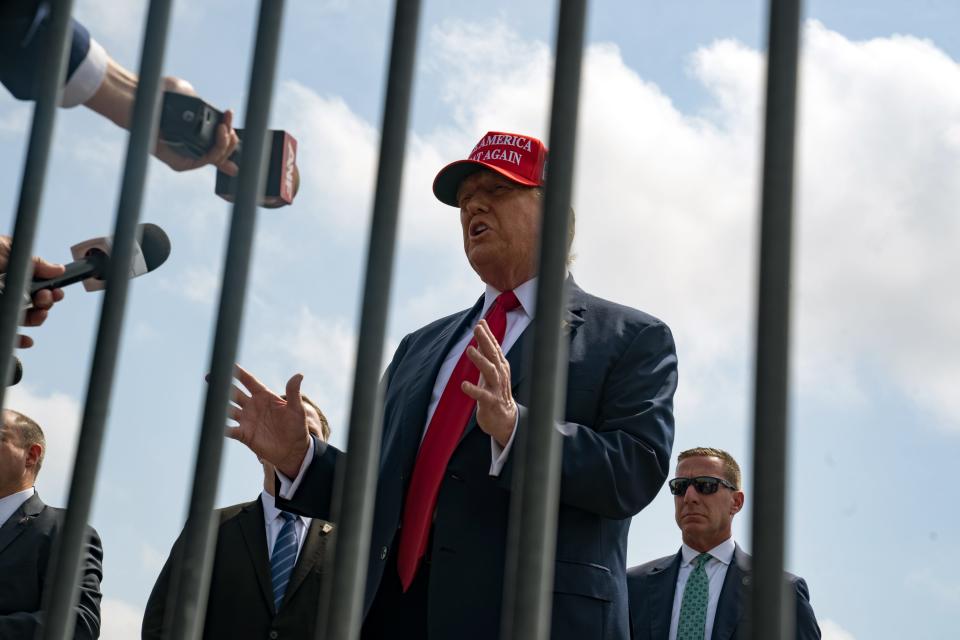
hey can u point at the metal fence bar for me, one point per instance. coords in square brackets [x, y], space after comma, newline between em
[191, 577]
[19, 267]
[65, 568]
[770, 617]
[536, 484]
[342, 599]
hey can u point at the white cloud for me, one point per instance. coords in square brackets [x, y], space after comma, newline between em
[119, 620]
[14, 119]
[833, 631]
[935, 586]
[151, 559]
[667, 201]
[59, 416]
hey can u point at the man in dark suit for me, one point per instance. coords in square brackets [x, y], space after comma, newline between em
[28, 531]
[437, 553]
[700, 592]
[256, 591]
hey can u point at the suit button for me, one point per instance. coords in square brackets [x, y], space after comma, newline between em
[383, 553]
[274, 635]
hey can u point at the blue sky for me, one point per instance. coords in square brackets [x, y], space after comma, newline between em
[666, 191]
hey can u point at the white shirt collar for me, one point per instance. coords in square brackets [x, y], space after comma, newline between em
[722, 552]
[526, 294]
[9, 504]
[270, 510]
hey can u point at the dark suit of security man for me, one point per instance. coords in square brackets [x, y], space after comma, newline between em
[28, 532]
[660, 600]
[617, 431]
[242, 603]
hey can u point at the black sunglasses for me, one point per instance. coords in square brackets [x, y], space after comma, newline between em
[705, 485]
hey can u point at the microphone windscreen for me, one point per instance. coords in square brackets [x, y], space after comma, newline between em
[154, 244]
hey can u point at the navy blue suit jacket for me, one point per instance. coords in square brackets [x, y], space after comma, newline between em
[653, 586]
[616, 450]
[24, 25]
[26, 543]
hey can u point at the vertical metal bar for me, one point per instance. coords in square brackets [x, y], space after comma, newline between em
[191, 577]
[773, 323]
[19, 267]
[342, 601]
[65, 569]
[536, 485]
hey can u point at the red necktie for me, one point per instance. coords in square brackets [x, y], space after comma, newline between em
[446, 426]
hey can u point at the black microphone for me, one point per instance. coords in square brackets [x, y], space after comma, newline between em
[93, 260]
[15, 372]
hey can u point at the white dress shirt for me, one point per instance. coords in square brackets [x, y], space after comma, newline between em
[273, 523]
[716, 569]
[517, 321]
[12, 502]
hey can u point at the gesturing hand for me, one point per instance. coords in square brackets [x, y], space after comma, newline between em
[273, 428]
[496, 409]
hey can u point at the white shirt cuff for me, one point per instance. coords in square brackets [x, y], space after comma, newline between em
[498, 454]
[87, 77]
[289, 487]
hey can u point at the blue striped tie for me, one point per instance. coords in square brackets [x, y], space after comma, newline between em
[284, 557]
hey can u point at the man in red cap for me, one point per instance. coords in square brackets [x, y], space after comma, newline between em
[455, 398]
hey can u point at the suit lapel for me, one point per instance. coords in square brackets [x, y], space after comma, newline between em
[428, 366]
[662, 585]
[730, 603]
[310, 555]
[255, 536]
[518, 356]
[21, 519]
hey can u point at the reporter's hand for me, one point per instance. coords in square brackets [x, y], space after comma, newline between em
[44, 299]
[219, 154]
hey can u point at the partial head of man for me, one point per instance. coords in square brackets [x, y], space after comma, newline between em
[498, 190]
[317, 425]
[707, 494]
[22, 446]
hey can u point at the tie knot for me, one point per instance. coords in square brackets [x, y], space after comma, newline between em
[507, 301]
[702, 559]
[287, 516]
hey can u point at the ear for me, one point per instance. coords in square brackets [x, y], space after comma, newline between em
[737, 502]
[33, 455]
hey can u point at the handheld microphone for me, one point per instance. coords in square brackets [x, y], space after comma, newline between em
[92, 260]
[189, 126]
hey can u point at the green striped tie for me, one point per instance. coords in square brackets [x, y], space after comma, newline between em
[696, 595]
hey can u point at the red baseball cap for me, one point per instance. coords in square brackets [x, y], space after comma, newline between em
[517, 157]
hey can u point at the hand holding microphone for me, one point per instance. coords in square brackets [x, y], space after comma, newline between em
[91, 263]
[41, 301]
[193, 128]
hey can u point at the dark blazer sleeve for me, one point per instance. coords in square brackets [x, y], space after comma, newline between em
[616, 466]
[153, 615]
[807, 627]
[24, 624]
[24, 25]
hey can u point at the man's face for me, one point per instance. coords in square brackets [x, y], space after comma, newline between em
[13, 462]
[705, 520]
[501, 228]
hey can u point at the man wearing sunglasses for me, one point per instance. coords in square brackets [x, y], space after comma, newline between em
[698, 593]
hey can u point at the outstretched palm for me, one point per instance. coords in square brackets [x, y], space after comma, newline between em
[274, 428]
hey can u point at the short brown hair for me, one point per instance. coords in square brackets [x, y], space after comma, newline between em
[324, 425]
[730, 467]
[28, 433]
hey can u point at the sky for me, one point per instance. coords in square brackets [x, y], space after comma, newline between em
[666, 192]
